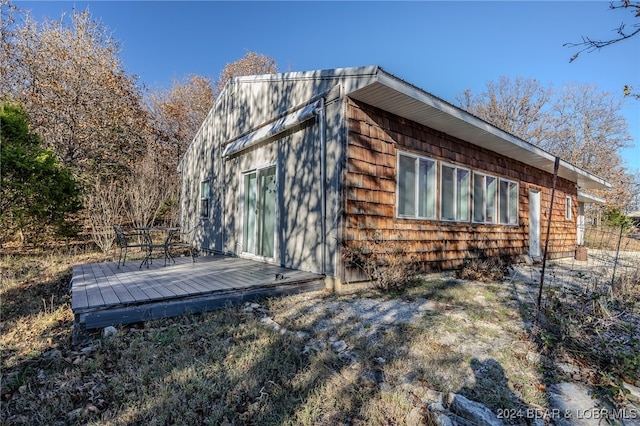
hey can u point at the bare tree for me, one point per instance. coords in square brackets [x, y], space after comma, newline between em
[147, 190]
[516, 106]
[8, 55]
[178, 113]
[69, 77]
[588, 130]
[104, 204]
[250, 64]
[578, 123]
[624, 32]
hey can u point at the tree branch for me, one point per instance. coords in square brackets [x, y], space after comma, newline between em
[590, 45]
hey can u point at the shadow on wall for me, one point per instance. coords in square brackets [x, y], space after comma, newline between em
[298, 155]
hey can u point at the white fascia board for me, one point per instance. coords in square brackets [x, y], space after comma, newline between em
[583, 178]
[310, 75]
[584, 197]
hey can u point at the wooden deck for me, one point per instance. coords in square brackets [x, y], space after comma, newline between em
[104, 295]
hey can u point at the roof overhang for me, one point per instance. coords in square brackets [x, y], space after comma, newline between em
[395, 95]
[583, 197]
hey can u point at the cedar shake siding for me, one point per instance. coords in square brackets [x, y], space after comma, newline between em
[374, 139]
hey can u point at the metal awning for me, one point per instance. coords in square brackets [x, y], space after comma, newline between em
[272, 128]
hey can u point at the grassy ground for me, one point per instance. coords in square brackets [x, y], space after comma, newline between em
[233, 367]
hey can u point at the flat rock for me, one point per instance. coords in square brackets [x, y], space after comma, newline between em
[569, 370]
[475, 412]
[339, 346]
[572, 405]
[634, 392]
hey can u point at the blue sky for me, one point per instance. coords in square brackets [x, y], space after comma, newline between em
[442, 47]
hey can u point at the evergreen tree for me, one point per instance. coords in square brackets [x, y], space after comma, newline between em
[38, 195]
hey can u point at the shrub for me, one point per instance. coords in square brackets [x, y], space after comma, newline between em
[386, 264]
[489, 269]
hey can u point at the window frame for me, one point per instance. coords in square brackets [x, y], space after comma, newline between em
[255, 240]
[510, 221]
[420, 194]
[506, 207]
[455, 195]
[205, 186]
[567, 208]
[485, 198]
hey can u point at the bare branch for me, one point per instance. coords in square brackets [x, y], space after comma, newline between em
[589, 45]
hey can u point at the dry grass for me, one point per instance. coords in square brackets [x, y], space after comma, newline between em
[612, 238]
[226, 367]
[598, 327]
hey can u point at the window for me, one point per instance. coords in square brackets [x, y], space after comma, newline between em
[204, 198]
[567, 208]
[508, 202]
[484, 198]
[416, 187]
[454, 193]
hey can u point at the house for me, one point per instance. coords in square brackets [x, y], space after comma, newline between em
[635, 218]
[290, 168]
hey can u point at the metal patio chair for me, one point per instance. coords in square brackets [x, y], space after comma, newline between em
[176, 239]
[125, 242]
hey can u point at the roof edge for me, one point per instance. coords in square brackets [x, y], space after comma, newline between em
[585, 197]
[328, 73]
[396, 83]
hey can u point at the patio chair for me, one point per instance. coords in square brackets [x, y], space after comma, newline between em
[175, 240]
[125, 242]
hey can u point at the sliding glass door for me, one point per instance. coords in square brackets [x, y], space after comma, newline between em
[260, 198]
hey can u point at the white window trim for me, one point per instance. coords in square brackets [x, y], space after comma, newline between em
[207, 198]
[455, 193]
[567, 208]
[416, 194]
[470, 188]
[517, 221]
[484, 198]
[242, 198]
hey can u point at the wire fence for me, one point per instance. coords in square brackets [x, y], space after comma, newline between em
[608, 258]
[590, 304]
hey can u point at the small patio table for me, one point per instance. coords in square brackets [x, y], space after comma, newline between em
[148, 231]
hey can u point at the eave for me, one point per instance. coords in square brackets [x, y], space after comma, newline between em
[394, 95]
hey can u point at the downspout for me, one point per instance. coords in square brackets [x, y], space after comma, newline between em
[180, 194]
[323, 178]
[223, 201]
[222, 176]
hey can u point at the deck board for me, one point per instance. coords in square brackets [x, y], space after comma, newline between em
[105, 294]
[78, 288]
